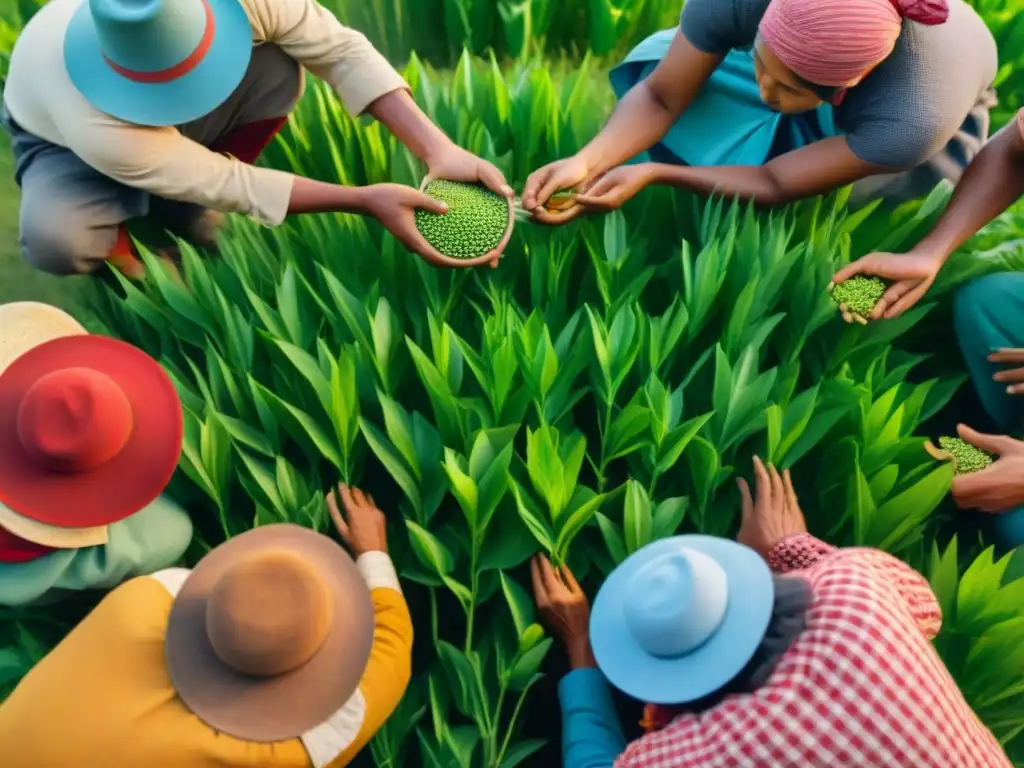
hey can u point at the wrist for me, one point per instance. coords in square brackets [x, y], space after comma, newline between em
[935, 248]
[581, 655]
[435, 148]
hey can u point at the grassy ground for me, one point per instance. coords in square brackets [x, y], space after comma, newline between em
[18, 281]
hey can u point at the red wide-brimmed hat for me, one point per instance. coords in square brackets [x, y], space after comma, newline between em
[90, 432]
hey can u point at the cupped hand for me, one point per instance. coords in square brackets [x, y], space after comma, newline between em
[394, 206]
[1000, 486]
[773, 513]
[567, 174]
[456, 164]
[1012, 377]
[564, 608]
[617, 186]
[910, 274]
[363, 527]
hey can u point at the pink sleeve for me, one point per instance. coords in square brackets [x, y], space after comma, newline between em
[796, 552]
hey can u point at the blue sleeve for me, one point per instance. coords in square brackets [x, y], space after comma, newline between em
[719, 26]
[591, 731]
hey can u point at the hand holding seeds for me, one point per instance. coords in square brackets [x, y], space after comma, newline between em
[857, 297]
[909, 276]
[1000, 486]
[394, 206]
[1012, 377]
[456, 164]
[363, 528]
[570, 173]
[773, 514]
[616, 187]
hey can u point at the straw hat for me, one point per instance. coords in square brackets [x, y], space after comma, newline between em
[681, 617]
[90, 433]
[158, 62]
[27, 324]
[270, 633]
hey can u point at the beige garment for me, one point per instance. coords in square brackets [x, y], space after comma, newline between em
[40, 96]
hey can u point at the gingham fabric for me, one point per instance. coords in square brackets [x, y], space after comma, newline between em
[862, 687]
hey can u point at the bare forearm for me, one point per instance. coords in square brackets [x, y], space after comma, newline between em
[990, 185]
[309, 196]
[639, 122]
[748, 182]
[401, 115]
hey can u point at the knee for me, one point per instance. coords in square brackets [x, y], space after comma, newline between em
[282, 79]
[63, 245]
[983, 302]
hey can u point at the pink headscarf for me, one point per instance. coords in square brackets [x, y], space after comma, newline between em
[835, 42]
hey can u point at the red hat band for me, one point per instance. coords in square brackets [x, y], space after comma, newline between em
[74, 420]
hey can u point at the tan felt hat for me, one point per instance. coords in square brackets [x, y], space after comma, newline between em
[25, 325]
[270, 633]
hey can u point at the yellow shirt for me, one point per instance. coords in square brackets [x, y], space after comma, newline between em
[103, 698]
[42, 99]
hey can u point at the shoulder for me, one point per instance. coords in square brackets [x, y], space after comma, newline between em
[909, 108]
[718, 26]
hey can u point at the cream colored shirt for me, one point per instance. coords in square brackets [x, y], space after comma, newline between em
[43, 101]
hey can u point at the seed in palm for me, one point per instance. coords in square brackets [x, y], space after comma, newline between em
[859, 295]
[474, 225]
[968, 458]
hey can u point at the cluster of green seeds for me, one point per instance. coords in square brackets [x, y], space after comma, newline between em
[474, 224]
[968, 458]
[859, 294]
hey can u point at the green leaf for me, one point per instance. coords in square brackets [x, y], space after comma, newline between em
[628, 432]
[637, 520]
[462, 679]
[301, 426]
[579, 514]
[519, 751]
[528, 665]
[678, 439]
[534, 522]
[668, 516]
[429, 550]
[520, 604]
[394, 463]
[703, 463]
[463, 487]
[613, 538]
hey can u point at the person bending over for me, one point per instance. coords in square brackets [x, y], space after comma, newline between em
[778, 100]
[778, 650]
[119, 110]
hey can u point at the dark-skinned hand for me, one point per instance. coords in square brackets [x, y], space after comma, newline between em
[1000, 486]
[773, 513]
[564, 608]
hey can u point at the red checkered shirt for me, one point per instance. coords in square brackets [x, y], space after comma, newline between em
[861, 686]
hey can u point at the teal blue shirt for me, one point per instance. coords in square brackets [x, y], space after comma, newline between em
[591, 732]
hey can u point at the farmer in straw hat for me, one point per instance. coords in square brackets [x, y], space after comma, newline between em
[119, 109]
[987, 314]
[827, 661]
[90, 433]
[278, 649]
[779, 100]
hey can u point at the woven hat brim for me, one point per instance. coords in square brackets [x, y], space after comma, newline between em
[27, 324]
[123, 485]
[287, 706]
[53, 536]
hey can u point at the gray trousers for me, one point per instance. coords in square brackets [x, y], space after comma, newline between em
[71, 213]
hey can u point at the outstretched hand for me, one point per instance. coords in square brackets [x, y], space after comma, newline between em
[1000, 486]
[363, 528]
[773, 513]
[910, 276]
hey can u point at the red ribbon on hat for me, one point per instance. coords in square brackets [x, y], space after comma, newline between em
[181, 69]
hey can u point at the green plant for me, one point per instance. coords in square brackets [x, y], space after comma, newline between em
[475, 223]
[595, 393]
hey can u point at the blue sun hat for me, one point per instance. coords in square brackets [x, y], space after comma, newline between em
[681, 617]
[157, 62]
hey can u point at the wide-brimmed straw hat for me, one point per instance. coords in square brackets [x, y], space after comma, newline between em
[681, 617]
[90, 433]
[270, 633]
[27, 324]
[158, 62]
